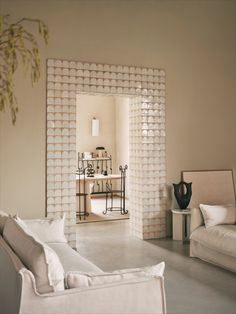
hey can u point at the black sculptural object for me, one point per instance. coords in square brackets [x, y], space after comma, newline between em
[183, 193]
[90, 170]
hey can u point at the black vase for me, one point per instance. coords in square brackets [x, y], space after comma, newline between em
[183, 193]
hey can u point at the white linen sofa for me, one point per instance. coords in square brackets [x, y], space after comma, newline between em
[215, 244]
[135, 291]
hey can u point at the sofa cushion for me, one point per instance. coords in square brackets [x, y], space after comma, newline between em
[220, 238]
[48, 230]
[38, 257]
[218, 214]
[72, 260]
[79, 279]
[3, 219]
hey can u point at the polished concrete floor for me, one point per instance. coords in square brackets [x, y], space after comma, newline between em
[192, 286]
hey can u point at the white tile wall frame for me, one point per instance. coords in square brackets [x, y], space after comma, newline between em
[146, 89]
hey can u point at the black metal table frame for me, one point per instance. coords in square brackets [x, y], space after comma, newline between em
[120, 192]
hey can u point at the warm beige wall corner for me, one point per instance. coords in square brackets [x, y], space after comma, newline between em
[194, 41]
[102, 108]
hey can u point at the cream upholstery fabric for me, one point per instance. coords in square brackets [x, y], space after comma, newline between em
[9, 279]
[3, 219]
[18, 293]
[143, 296]
[218, 214]
[72, 260]
[78, 279]
[196, 219]
[207, 254]
[219, 238]
[36, 256]
[48, 230]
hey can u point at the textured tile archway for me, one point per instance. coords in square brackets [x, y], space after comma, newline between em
[146, 89]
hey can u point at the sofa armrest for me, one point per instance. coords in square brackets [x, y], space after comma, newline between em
[146, 295]
[196, 219]
[10, 279]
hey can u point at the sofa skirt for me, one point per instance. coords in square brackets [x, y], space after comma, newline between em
[208, 255]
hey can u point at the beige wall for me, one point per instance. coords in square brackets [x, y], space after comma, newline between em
[103, 108]
[194, 41]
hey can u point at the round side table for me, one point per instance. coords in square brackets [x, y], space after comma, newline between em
[181, 224]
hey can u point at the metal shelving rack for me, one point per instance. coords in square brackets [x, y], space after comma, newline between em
[101, 165]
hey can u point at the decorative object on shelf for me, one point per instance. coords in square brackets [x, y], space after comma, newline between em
[90, 170]
[87, 155]
[95, 127]
[183, 193]
[100, 150]
[17, 45]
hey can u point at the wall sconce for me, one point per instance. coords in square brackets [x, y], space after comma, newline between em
[95, 127]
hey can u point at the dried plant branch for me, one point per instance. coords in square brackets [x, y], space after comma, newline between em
[17, 44]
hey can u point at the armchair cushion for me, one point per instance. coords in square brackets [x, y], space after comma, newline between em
[71, 259]
[38, 257]
[48, 230]
[218, 214]
[78, 279]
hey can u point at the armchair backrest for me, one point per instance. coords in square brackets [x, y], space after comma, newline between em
[196, 219]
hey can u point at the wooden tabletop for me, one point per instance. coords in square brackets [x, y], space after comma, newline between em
[99, 177]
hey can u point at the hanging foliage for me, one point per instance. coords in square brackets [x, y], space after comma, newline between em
[17, 45]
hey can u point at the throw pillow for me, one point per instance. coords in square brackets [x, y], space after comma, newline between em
[218, 214]
[3, 219]
[38, 257]
[76, 279]
[47, 230]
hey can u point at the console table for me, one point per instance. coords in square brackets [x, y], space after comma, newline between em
[84, 187]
